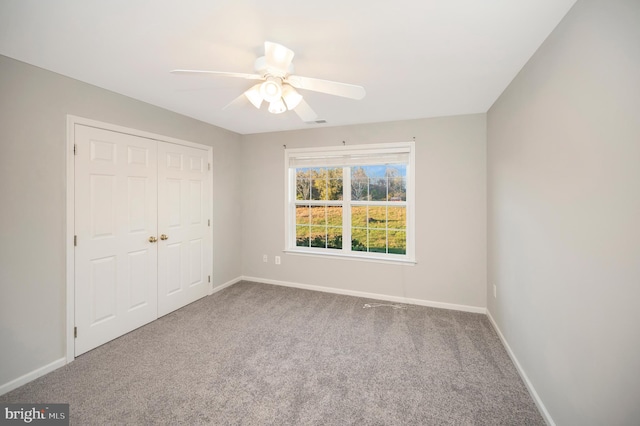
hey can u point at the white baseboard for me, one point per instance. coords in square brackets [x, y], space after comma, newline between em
[225, 285]
[536, 398]
[397, 299]
[26, 378]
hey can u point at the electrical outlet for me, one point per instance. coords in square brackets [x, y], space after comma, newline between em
[265, 258]
[495, 291]
[277, 260]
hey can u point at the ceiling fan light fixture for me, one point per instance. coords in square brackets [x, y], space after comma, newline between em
[277, 107]
[291, 97]
[271, 89]
[254, 96]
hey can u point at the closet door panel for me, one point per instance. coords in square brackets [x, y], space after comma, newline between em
[183, 203]
[115, 214]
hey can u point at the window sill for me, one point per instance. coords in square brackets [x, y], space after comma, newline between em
[352, 257]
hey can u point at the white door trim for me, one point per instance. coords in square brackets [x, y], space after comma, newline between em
[72, 120]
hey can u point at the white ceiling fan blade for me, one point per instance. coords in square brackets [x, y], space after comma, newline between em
[305, 112]
[238, 102]
[278, 57]
[345, 90]
[220, 73]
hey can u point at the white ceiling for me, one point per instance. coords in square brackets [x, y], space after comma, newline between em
[415, 58]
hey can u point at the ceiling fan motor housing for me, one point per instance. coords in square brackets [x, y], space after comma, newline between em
[264, 70]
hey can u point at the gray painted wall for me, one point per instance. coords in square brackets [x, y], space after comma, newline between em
[564, 215]
[450, 211]
[33, 108]
[561, 183]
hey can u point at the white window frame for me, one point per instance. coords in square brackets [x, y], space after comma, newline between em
[347, 157]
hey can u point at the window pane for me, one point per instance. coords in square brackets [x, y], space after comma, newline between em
[398, 242]
[397, 189]
[334, 184]
[318, 182]
[318, 236]
[359, 216]
[334, 188]
[318, 215]
[334, 238]
[378, 189]
[378, 241]
[377, 217]
[334, 216]
[359, 184]
[302, 215]
[360, 189]
[358, 239]
[303, 184]
[318, 188]
[397, 217]
[302, 236]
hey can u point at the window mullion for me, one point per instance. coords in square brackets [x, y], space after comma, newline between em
[386, 222]
[346, 209]
[291, 206]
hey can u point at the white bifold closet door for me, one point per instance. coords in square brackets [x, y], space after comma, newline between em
[141, 218]
[182, 221]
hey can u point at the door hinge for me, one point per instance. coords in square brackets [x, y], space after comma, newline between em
[75, 149]
[75, 240]
[208, 222]
[209, 278]
[208, 166]
[75, 331]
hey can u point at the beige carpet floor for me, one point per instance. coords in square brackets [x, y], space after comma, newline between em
[256, 354]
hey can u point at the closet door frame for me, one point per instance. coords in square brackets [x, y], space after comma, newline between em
[72, 121]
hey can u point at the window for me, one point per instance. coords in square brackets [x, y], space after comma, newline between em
[354, 201]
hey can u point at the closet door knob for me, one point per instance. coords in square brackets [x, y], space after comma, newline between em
[152, 239]
[164, 237]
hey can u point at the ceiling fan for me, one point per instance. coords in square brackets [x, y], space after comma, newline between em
[278, 84]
